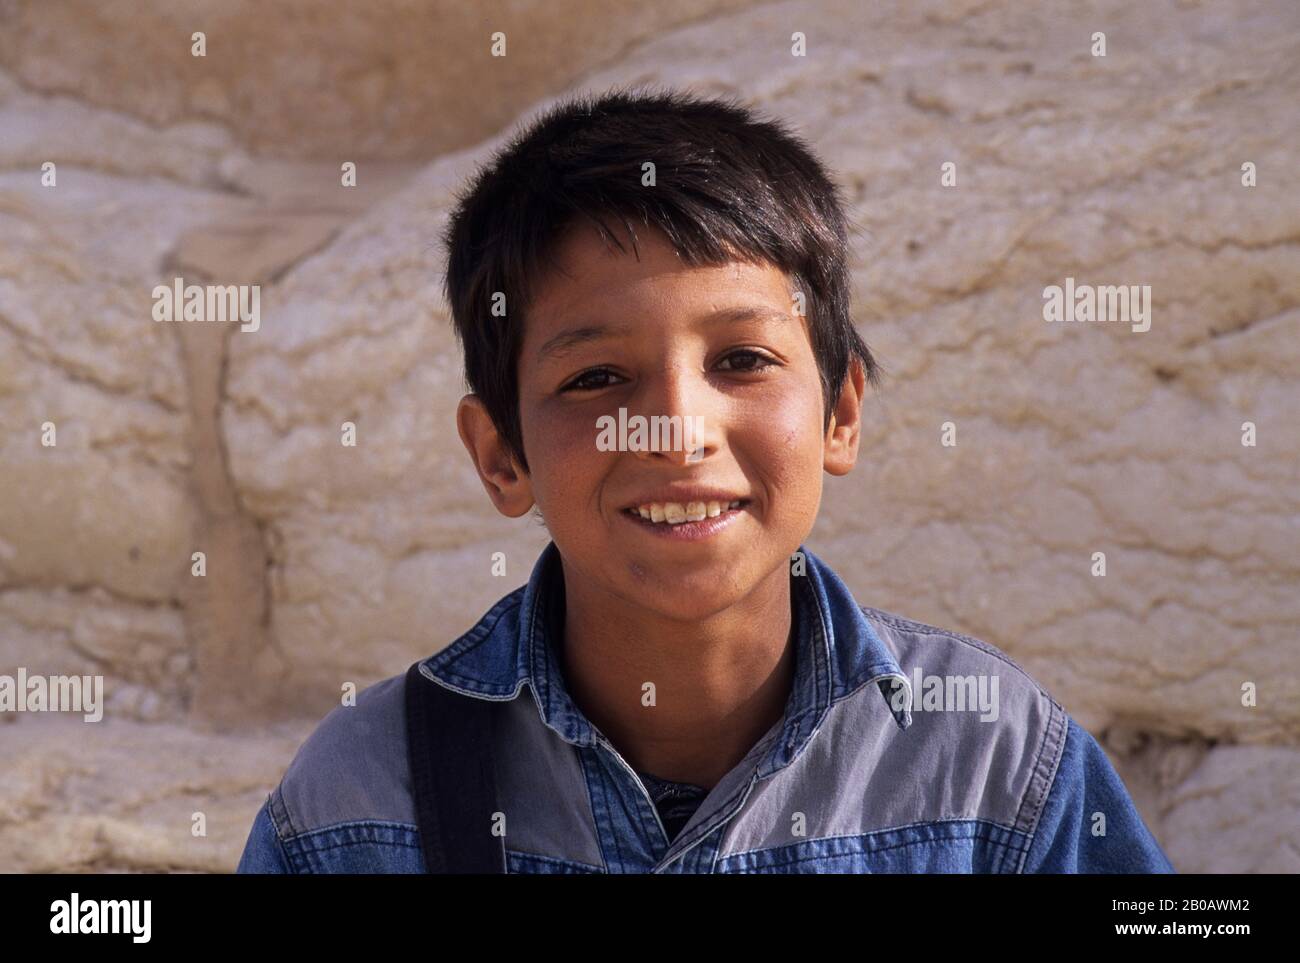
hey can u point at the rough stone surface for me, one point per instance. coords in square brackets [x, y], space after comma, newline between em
[124, 797]
[395, 79]
[331, 564]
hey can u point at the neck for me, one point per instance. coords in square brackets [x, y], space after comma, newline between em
[719, 684]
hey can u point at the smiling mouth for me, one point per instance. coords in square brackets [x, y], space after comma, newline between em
[679, 513]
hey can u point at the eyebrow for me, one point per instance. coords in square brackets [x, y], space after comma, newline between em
[571, 338]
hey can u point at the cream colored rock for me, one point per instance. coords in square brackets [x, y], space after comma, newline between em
[332, 564]
[1236, 813]
[380, 79]
[122, 797]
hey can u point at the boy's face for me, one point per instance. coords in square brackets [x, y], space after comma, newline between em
[663, 347]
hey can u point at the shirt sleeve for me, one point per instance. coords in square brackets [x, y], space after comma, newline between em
[263, 852]
[1089, 824]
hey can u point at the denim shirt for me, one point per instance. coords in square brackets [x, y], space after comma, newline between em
[862, 774]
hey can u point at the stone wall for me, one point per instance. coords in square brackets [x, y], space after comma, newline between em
[329, 564]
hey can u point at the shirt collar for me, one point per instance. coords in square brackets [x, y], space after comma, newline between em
[837, 652]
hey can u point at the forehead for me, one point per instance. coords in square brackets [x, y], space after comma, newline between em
[590, 274]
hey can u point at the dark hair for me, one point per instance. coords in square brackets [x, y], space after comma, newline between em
[729, 186]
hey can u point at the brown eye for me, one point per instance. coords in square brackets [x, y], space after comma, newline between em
[757, 361]
[584, 383]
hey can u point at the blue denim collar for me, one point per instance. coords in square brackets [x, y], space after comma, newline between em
[837, 652]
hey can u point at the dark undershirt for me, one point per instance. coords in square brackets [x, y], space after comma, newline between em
[675, 801]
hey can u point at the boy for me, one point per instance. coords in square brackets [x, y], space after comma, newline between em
[704, 695]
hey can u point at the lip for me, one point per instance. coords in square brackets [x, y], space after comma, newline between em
[685, 495]
[687, 531]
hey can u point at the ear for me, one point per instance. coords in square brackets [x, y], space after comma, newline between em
[845, 428]
[507, 485]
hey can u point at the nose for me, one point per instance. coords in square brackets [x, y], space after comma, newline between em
[681, 428]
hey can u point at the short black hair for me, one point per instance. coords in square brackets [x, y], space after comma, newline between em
[730, 185]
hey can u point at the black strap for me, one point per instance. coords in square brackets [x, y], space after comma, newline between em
[449, 737]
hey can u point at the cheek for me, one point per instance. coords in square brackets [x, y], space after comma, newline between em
[799, 422]
[562, 451]
[566, 435]
[791, 442]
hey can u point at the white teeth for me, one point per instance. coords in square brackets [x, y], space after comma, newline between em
[675, 513]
